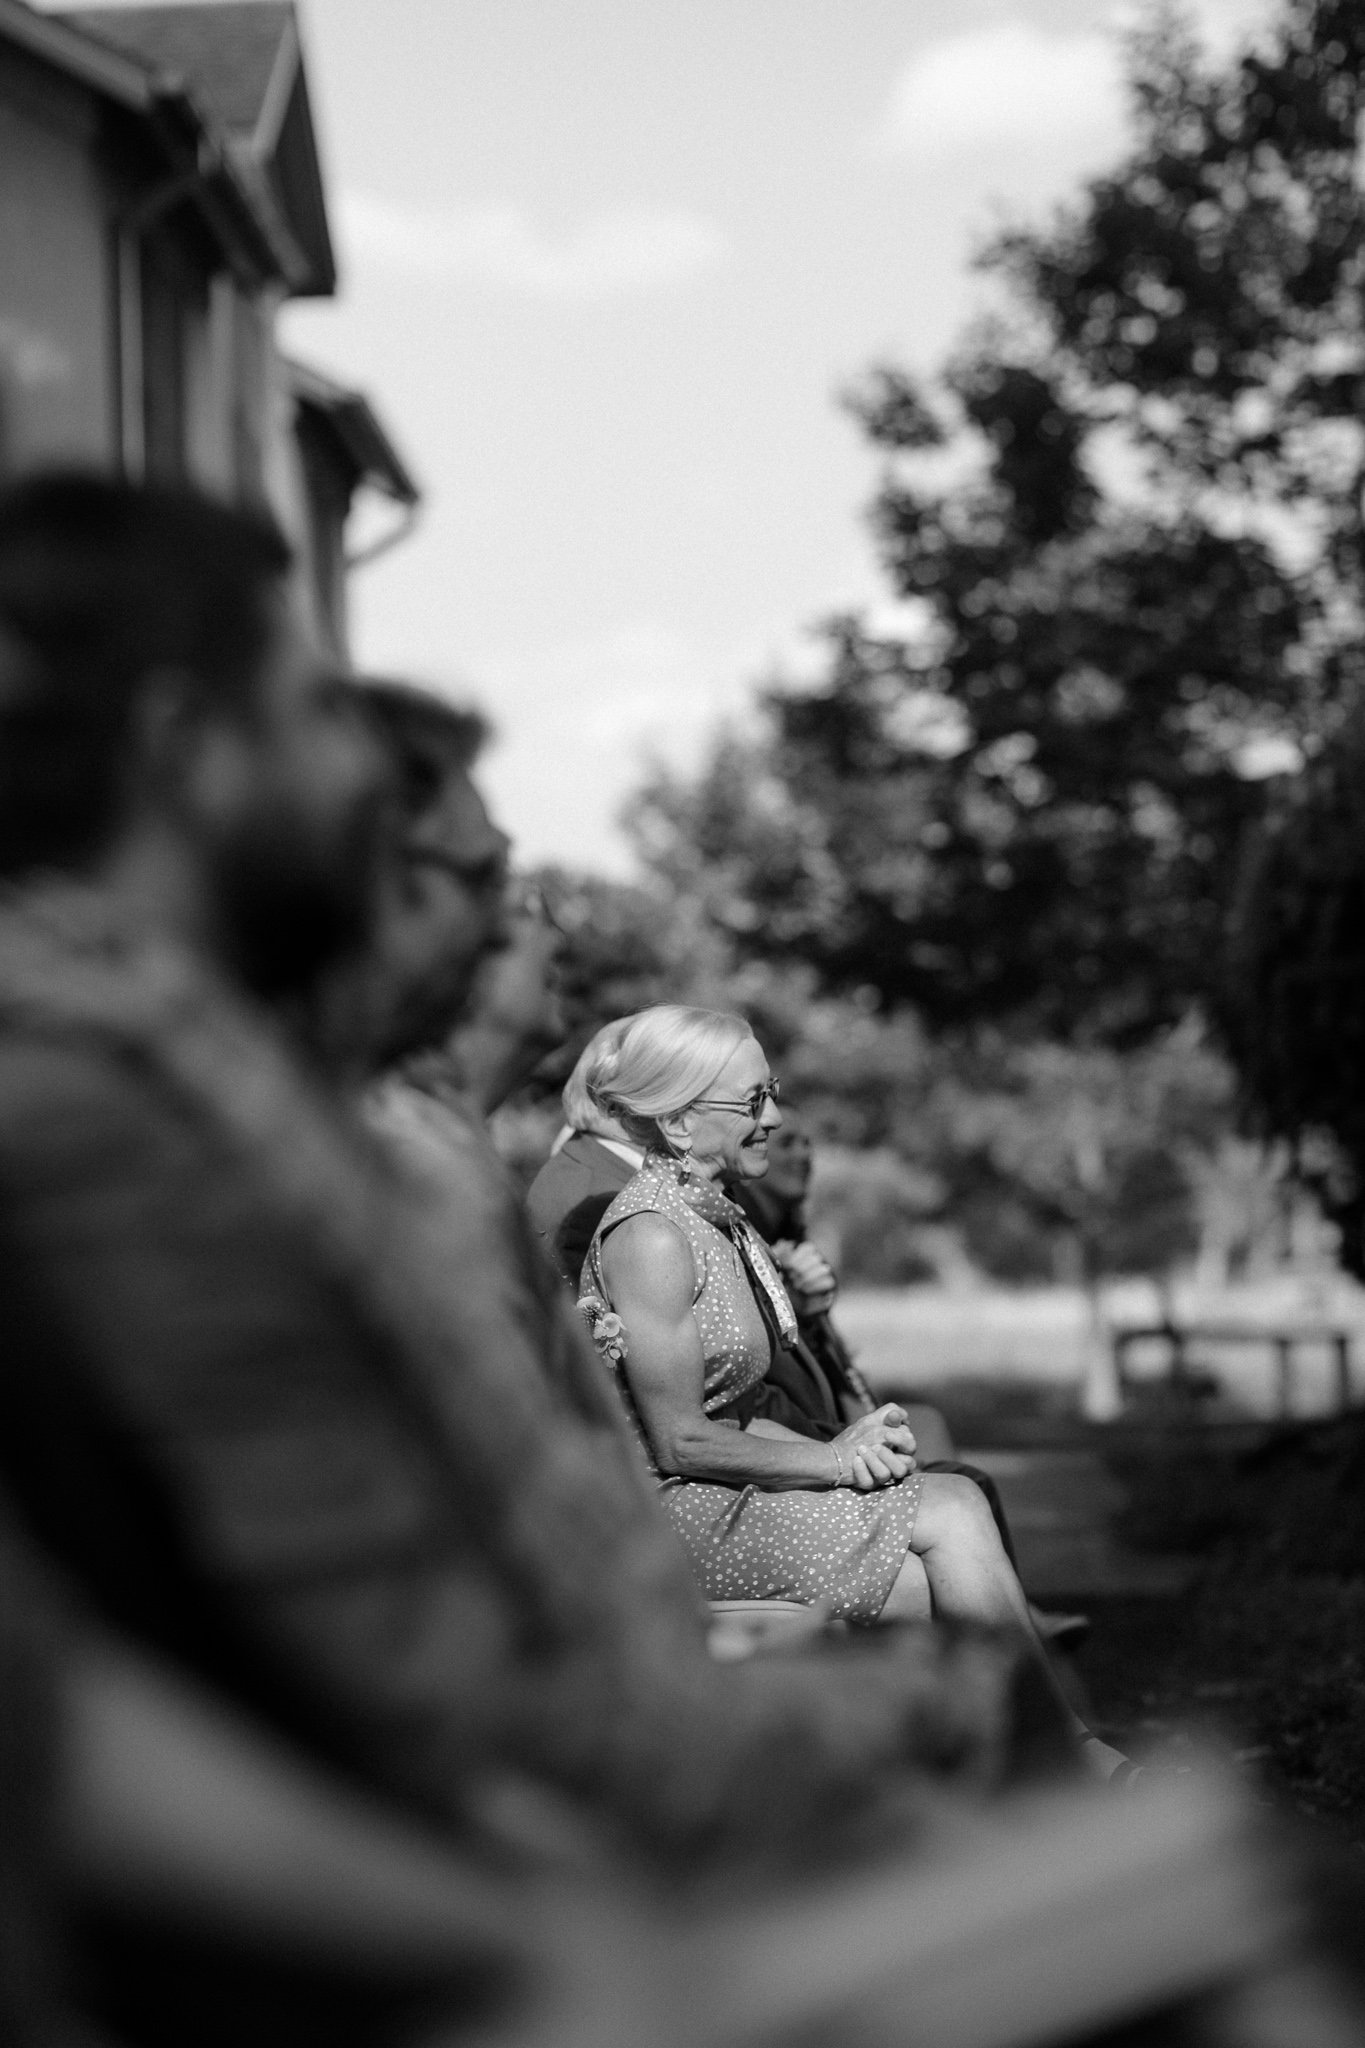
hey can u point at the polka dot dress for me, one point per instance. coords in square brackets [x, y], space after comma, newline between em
[746, 1542]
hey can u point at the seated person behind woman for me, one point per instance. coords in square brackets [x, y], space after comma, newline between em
[685, 1302]
[592, 1160]
[776, 1206]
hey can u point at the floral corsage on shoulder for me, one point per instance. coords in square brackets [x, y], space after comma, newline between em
[607, 1330]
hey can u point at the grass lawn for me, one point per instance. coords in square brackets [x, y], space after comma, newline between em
[1266, 1653]
[1275, 1675]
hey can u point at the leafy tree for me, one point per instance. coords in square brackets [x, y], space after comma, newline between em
[948, 1155]
[1128, 522]
[1090, 1159]
[616, 958]
[1293, 1006]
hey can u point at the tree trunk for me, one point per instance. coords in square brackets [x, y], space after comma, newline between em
[1101, 1393]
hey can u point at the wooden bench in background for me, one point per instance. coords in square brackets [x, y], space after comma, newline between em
[1285, 1341]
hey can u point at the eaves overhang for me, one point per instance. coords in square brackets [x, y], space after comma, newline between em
[223, 181]
[243, 62]
[44, 37]
[357, 430]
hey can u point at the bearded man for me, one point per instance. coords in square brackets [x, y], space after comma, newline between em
[247, 1403]
[238, 1429]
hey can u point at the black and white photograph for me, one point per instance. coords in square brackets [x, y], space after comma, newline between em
[682, 1024]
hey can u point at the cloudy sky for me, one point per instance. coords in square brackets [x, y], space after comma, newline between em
[606, 265]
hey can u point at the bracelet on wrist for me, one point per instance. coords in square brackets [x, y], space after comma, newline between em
[838, 1464]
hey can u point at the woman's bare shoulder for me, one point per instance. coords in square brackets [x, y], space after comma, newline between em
[646, 1252]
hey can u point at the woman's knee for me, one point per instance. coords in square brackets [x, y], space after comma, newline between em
[953, 1506]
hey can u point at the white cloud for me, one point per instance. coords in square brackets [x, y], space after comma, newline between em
[1004, 84]
[623, 250]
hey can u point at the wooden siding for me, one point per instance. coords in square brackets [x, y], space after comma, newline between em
[56, 329]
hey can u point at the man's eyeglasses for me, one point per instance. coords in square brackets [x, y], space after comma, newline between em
[751, 1104]
[529, 897]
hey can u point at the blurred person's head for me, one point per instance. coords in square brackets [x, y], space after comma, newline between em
[441, 901]
[515, 1012]
[582, 1109]
[790, 1160]
[167, 729]
[696, 1083]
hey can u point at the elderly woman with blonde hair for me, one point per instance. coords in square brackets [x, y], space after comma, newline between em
[687, 1308]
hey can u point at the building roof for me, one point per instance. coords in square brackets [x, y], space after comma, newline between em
[241, 65]
[231, 52]
[95, 65]
[356, 431]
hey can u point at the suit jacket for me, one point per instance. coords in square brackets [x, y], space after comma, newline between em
[569, 1197]
[826, 1360]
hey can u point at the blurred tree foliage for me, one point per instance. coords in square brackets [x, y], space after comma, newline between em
[1293, 1009]
[943, 1154]
[972, 885]
[1126, 528]
[1026, 1160]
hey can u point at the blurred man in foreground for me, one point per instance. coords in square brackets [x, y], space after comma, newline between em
[258, 1413]
[246, 1405]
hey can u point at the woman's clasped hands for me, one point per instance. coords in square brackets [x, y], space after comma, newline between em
[876, 1450]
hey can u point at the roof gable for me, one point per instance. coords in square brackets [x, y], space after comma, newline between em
[242, 60]
[231, 52]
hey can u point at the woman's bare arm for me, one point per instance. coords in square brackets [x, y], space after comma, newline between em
[649, 1275]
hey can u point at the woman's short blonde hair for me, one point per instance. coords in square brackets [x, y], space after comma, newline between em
[582, 1111]
[664, 1060]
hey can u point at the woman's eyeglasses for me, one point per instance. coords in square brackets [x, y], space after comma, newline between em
[751, 1104]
